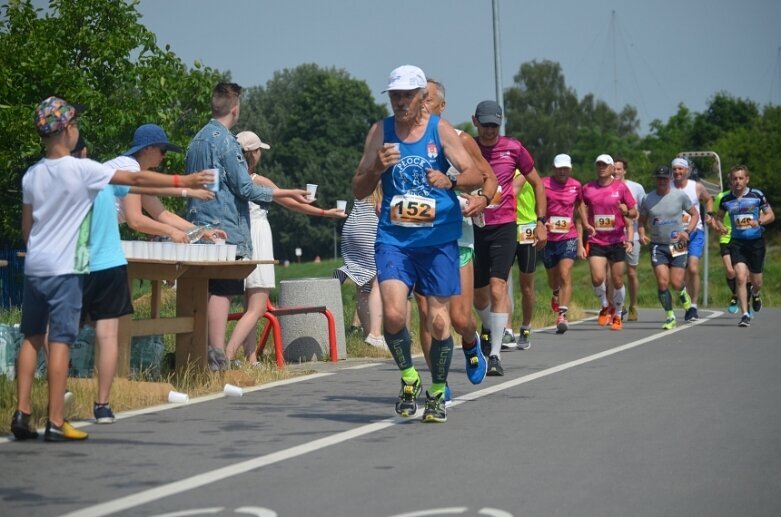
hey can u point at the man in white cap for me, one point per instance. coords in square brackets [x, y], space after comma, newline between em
[495, 242]
[697, 194]
[419, 227]
[606, 202]
[565, 240]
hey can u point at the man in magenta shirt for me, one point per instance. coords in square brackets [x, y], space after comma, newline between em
[563, 193]
[606, 201]
[495, 243]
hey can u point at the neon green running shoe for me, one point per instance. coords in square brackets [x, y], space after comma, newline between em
[686, 300]
[670, 324]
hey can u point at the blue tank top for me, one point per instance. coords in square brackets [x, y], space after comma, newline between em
[414, 214]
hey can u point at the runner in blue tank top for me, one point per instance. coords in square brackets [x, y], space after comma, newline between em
[420, 223]
[749, 211]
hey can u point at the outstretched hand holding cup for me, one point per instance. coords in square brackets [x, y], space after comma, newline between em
[201, 180]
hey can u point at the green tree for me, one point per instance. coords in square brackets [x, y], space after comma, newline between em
[546, 115]
[316, 120]
[94, 53]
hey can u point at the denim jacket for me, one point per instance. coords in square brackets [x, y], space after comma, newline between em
[215, 147]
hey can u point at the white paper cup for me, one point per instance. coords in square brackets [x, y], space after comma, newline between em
[214, 187]
[212, 253]
[198, 252]
[155, 250]
[311, 188]
[180, 251]
[176, 397]
[169, 250]
[222, 252]
[233, 391]
[231, 251]
[140, 250]
[341, 204]
[127, 248]
[462, 202]
[218, 241]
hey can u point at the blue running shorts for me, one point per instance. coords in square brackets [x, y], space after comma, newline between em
[434, 270]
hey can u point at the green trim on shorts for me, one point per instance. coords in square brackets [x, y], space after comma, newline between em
[465, 256]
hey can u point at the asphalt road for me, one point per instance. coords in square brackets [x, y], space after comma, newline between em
[640, 422]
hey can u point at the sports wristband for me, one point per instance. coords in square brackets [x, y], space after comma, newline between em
[322, 212]
[176, 180]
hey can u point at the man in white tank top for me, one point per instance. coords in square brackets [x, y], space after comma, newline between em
[697, 193]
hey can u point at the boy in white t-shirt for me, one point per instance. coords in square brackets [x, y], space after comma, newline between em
[58, 193]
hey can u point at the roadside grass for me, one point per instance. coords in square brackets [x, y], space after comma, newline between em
[146, 390]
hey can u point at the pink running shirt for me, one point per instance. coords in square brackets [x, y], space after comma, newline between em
[604, 213]
[561, 208]
[507, 155]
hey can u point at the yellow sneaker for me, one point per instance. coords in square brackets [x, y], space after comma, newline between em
[632, 313]
[63, 433]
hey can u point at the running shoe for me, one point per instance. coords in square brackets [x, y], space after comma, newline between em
[476, 364]
[745, 321]
[495, 367]
[617, 323]
[508, 340]
[561, 324]
[624, 312]
[485, 341]
[670, 324]
[448, 396]
[407, 404]
[435, 411]
[63, 433]
[103, 413]
[605, 315]
[732, 308]
[20, 427]
[686, 300]
[632, 313]
[524, 339]
[554, 303]
[691, 314]
[756, 302]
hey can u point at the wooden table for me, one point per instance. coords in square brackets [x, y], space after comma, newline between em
[192, 293]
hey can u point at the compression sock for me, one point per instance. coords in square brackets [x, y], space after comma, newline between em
[667, 300]
[619, 295]
[399, 346]
[485, 316]
[498, 319]
[601, 292]
[441, 355]
[732, 283]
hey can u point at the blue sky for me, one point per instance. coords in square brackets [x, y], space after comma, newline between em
[654, 55]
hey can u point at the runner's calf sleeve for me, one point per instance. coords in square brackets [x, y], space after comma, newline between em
[399, 346]
[441, 355]
[667, 300]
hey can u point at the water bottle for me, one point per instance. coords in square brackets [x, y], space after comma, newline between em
[196, 232]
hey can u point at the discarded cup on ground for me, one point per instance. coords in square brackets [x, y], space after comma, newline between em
[233, 391]
[341, 204]
[311, 188]
[176, 397]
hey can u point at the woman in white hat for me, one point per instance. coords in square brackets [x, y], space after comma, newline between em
[261, 281]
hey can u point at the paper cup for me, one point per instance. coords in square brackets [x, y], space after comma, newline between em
[214, 187]
[311, 188]
[212, 253]
[169, 250]
[233, 391]
[140, 250]
[222, 251]
[341, 204]
[180, 251]
[231, 251]
[218, 241]
[176, 397]
[127, 248]
[462, 202]
[155, 250]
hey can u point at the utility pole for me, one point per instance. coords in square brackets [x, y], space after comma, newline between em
[498, 62]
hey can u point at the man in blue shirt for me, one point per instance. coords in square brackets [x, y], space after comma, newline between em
[749, 211]
[215, 147]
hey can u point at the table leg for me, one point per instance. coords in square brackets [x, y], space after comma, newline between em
[124, 340]
[192, 295]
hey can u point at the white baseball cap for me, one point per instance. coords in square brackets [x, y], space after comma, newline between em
[249, 141]
[562, 160]
[406, 77]
[604, 158]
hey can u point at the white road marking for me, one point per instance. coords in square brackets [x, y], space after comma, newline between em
[206, 478]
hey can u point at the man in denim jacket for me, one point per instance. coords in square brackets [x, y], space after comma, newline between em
[215, 147]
